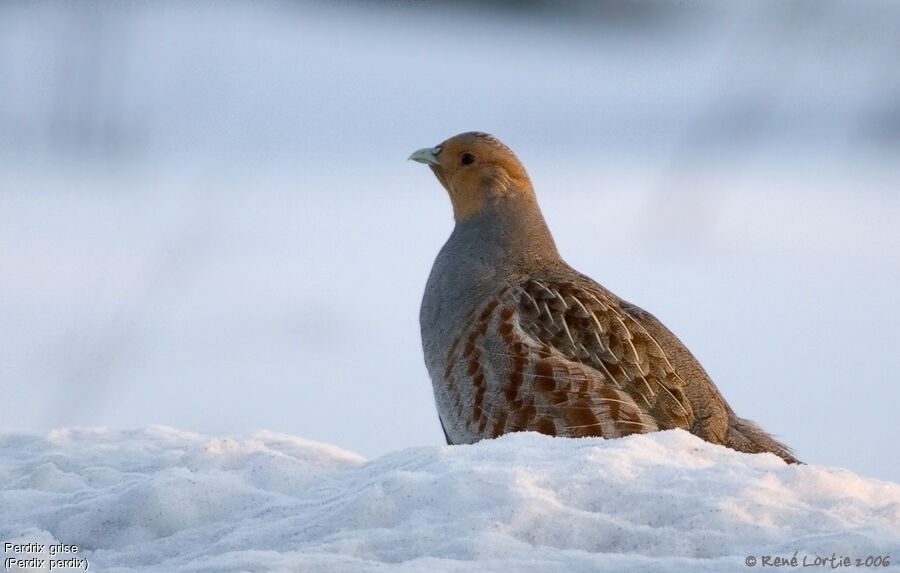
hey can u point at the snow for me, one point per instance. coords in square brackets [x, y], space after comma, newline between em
[160, 499]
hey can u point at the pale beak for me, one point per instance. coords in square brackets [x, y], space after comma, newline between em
[426, 155]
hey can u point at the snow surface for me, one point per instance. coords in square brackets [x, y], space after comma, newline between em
[207, 219]
[159, 499]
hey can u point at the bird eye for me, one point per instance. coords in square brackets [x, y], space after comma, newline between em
[466, 159]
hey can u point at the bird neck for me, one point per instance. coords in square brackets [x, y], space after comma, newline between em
[508, 231]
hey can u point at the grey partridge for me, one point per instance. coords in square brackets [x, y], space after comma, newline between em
[516, 340]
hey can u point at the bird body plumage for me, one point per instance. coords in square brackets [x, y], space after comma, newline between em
[515, 339]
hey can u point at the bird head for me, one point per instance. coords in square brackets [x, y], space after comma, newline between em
[474, 168]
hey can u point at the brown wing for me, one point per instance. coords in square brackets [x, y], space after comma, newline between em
[558, 358]
[596, 353]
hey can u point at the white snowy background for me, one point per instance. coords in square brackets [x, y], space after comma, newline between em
[207, 222]
[160, 499]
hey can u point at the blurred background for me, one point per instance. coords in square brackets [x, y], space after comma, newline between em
[207, 219]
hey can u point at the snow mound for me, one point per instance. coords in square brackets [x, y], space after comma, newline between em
[159, 499]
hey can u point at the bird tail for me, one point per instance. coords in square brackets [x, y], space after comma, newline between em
[745, 436]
